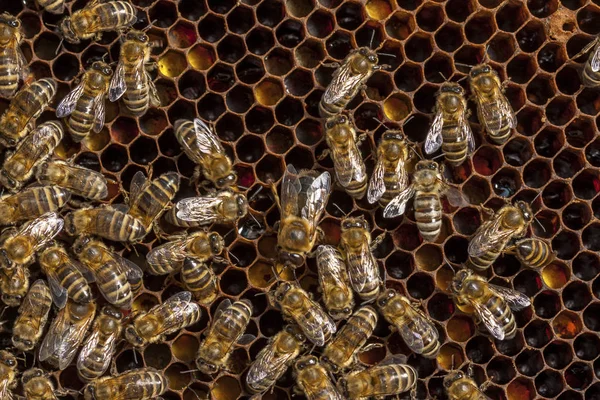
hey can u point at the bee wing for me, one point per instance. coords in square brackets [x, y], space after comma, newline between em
[173, 251]
[351, 162]
[94, 341]
[398, 204]
[394, 359]
[138, 183]
[43, 228]
[290, 189]
[267, 364]
[87, 273]
[27, 306]
[117, 86]
[376, 183]
[133, 272]
[362, 267]
[206, 139]
[455, 197]
[497, 109]
[175, 308]
[595, 60]
[317, 197]
[488, 237]
[5, 391]
[466, 133]
[223, 305]
[421, 328]
[24, 70]
[489, 320]
[316, 324]
[197, 209]
[153, 92]
[515, 299]
[59, 293]
[434, 136]
[67, 105]
[330, 259]
[342, 82]
[99, 112]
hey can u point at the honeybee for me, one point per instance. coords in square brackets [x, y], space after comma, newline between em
[177, 312]
[427, 187]
[33, 315]
[131, 78]
[37, 385]
[532, 252]
[335, 285]
[348, 80]
[297, 307]
[356, 245]
[66, 333]
[461, 387]
[492, 304]
[349, 166]
[222, 208]
[589, 75]
[390, 176]
[493, 109]
[52, 6]
[227, 329]
[450, 129]
[66, 277]
[13, 65]
[495, 233]
[115, 276]
[8, 374]
[20, 245]
[202, 146]
[84, 105]
[169, 257]
[78, 180]
[314, 380]
[137, 384]
[417, 329]
[105, 222]
[390, 377]
[303, 200]
[20, 165]
[14, 283]
[200, 279]
[27, 105]
[148, 200]
[274, 359]
[341, 353]
[31, 202]
[99, 347]
[96, 17]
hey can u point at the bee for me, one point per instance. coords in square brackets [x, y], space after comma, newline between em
[37, 385]
[390, 377]
[303, 200]
[31, 202]
[115, 276]
[33, 315]
[8, 374]
[224, 207]
[274, 359]
[461, 387]
[53, 6]
[96, 17]
[495, 233]
[169, 257]
[349, 166]
[341, 353]
[335, 285]
[348, 80]
[450, 129]
[20, 245]
[148, 200]
[27, 105]
[314, 381]
[532, 252]
[131, 77]
[78, 180]
[13, 65]
[137, 384]
[176, 313]
[66, 333]
[390, 176]
[589, 75]
[99, 347]
[105, 222]
[297, 307]
[66, 277]
[427, 187]
[20, 165]
[84, 105]
[493, 109]
[492, 304]
[227, 329]
[356, 245]
[200, 279]
[202, 146]
[417, 329]
[14, 283]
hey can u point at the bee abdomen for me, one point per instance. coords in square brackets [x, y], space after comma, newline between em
[484, 261]
[136, 98]
[9, 73]
[82, 119]
[53, 6]
[76, 285]
[171, 218]
[114, 286]
[152, 202]
[199, 279]
[590, 78]
[534, 253]
[328, 110]
[455, 151]
[115, 15]
[428, 214]
[499, 308]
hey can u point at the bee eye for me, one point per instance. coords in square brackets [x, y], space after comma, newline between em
[372, 59]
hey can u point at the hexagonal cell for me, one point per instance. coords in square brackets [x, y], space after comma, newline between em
[182, 109]
[418, 47]
[289, 112]
[183, 35]
[211, 28]
[521, 68]
[164, 13]
[201, 57]
[239, 99]
[500, 370]
[279, 62]
[114, 158]
[587, 184]
[143, 151]
[468, 55]
[480, 27]
[540, 89]
[408, 77]
[420, 286]
[350, 15]
[459, 10]
[290, 33]
[568, 80]
[269, 169]
[479, 350]
[555, 275]
[191, 85]
[551, 57]
[268, 92]
[587, 346]
[529, 362]
[400, 25]
[309, 54]
[250, 70]
[568, 163]
[440, 307]
[428, 257]
[538, 333]
[576, 215]
[501, 47]
[567, 324]
[226, 388]
[259, 120]
[153, 122]
[397, 107]
[531, 36]
[586, 102]
[339, 45]
[65, 68]
[260, 41]
[46, 46]
[299, 82]
[320, 24]
[430, 17]
[449, 38]
[300, 157]
[438, 68]
[511, 16]
[191, 9]
[424, 98]
[506, 182]
[548, 142]
[547, 304]
[210, 107]
[309, 132]
[517, 152]
[172, 64]
[240, 20]
[220, 78]
[588, 19]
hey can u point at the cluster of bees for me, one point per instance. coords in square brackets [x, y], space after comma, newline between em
[348, 273]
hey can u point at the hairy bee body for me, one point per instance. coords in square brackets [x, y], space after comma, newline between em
[8, 374]
[78, 180]
[37, 385]
[533, 252]
[390, 176]
[386, 379]
[314, 380]
[200, 279]
[105, 222]
[96, 17]
[223, 208]
[32, 203]
[149, 199]
[13, 65]
[338, 296]
[27, 105]
[14, 283]
[53, 6]
[341, 352]
[99, 347]
[461, 387]
[20, 165]
[137, 384]
[32, 318]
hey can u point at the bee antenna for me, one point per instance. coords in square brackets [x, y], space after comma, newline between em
[464, 65]
[386, 54]
[195, 393]
[452, 365]
[135, 356]
[415, 151]
[443, 76]
[372, 38]
[539, 223]
[60, 44]
[255, 220]
[225, 235]
[536, 197]
[189, 371]
[260, 188]
[149, 26]
[438, 156]
[234, 257]
[342, 211]
[485, 55]
[450, 265]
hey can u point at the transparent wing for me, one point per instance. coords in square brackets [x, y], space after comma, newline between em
[99, 112]
[412, 338]
[316, 325]
[362, 268]
[348, 167]
[198, 209]
[43, 229]
[138, 183]
[421, 328]
[117, 86]
[499, 109]
[133, 272]
[96, 340]
[394, 359]
[595, 60]
[41, 135]
[173, 311]
[206, 139]
[24, 70]
[153, 92]
[290, 189]
[59, 293]
[268, 364]
[466, 132]
[342, 82]
[489, 320]
[38, 314]
[398, 204]
[515, 299]
[317, 197]
[173, 251]
[455, 197]
[376, 183]
[67, 105]
[330, 262]
[434, 137]
[489, 236]
[223, 305]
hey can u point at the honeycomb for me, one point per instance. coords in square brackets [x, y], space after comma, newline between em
[255, 69]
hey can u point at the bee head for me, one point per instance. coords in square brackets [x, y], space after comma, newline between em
[32, 373]
[66, 30]
[427, 165]
[305, 362]
[385, 297]
[453, 377]
[393, 135]
[7, 180]
[459, 280]
[365, 62]
[102, 67]
[9, 25]
[8, 359]
[242, 205]
[206, 366]
[525, 210]
[112, 312]
[479, 70]
[282, 290]
[8, 140]
[360, 223]
[453, 88]
[22, 343]
[228, 180]
[89, 392]
[132, 337]
[12, 300]
[216, 243]
[137, 36]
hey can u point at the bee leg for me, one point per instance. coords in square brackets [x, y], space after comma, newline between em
[377, 241]
[275, 198]
[370, 346]
[323, 155]
[151, 66]
[382, 66]
[484, 386]
[330, 65]
[487, 212]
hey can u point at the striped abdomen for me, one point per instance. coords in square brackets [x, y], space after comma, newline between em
[186, 136]
[152, 202]
[9, 70]
[81, 121]
[534, 253]
[171, 218]
[431, 344]
[394, 183]
[78, 180]
[136, 97]
[33, 316]
[503, 314]
[366, 281]
[94, 359]
[454, 148]
[166, 258]
[113, 284]
[114, 15]
[589, 77]
[104, 222]
[199, 278]
[498, 129]
[380, 381]
[53, 6]
[428, 214]
[32, 203]
[486, 260]
[77, 286]
[144, 383]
